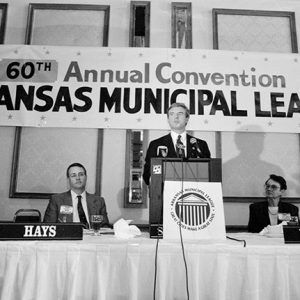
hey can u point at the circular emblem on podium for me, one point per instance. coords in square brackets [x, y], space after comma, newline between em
[193, 210]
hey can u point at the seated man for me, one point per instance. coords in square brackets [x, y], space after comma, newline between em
[267, 212]
[76, 205]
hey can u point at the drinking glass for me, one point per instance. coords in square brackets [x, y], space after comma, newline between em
[96, 221]
[62, 218]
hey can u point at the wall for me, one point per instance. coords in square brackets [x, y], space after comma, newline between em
[114, 140]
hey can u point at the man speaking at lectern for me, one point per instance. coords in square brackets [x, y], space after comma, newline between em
[177, 143]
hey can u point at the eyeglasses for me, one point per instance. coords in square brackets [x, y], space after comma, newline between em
[74, 175]
[271, 186]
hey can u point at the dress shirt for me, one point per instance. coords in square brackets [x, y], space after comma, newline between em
[84, 205]
[175, 135]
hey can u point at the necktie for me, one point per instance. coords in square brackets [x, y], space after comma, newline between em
[81, 213]
[179, 147]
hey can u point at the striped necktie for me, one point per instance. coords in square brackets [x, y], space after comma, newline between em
[179, 147]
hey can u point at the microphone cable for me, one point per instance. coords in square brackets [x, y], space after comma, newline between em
[155, 267]
[180, 234]
[237, 240]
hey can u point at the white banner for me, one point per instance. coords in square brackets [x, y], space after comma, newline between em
[196, 208]
[132, 88]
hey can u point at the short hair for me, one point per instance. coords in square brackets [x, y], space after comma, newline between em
[179, 104]
[279, 179]
[75, 165]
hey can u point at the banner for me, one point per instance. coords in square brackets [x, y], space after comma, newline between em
[132, 88]
[196, 207]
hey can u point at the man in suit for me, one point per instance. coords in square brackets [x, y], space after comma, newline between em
[75, 205]
[270, 212]
[177, 143]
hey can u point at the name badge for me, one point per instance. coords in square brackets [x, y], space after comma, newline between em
[66, 209]
[284, 216]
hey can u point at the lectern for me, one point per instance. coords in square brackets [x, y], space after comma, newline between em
[176, 169]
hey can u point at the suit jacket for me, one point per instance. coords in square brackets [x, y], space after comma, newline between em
[95, 206]
[259, 214]
[166, 141]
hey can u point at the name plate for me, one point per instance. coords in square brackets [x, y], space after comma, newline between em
[156, 231]
[41, 231]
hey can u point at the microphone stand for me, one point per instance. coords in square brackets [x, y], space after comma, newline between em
[160, 221]
[181, 155]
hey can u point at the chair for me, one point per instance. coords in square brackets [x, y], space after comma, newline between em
[27, 216]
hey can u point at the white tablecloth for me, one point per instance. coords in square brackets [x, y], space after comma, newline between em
[107, 268]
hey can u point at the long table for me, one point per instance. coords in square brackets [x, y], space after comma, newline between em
[109, 268]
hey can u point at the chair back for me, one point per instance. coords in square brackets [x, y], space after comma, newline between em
[27, 216]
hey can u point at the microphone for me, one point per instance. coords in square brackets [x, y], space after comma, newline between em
[180, 150]
[162, 151]
[193, 141]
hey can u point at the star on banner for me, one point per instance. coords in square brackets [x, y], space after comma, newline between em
[106, 119]
[43, 121]
[10, 117]
[74, 119]
[141, 54]
[173, 55]
[109, 54]
[270, 123]
[238, 122]
[139, 119]
[206, 121]
[78, 53]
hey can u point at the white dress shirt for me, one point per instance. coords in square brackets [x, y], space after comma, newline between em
[84, 205]
[175, 135]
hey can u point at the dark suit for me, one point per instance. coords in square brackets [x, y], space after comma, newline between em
[259, 214]
[95, 206]
[166, 141]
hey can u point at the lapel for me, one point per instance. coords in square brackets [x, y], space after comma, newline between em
[68, 201]
[188, 146]
[265, 212]
[170, 145]
[281, 207]
[90, 202]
